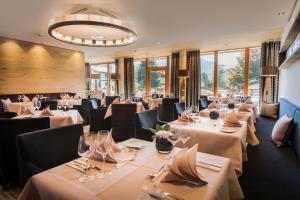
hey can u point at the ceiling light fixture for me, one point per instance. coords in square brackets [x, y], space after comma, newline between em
[281, 13]
[91, 27]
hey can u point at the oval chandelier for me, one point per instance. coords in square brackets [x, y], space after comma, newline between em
[88, 29]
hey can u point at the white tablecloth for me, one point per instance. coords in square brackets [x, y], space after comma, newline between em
[60, 118]
[211, 140]
[126, 183]
[139, 108]
[68, 102]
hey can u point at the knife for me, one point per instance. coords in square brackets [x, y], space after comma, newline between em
[76, 167]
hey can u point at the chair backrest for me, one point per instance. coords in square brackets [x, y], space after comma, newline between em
[168, 109]
[93, 104]
[45, 149]
[179, 108]
[147, 119]
[110, 99]
[203, 103]
[123, 121]
[7, 115]
[52, 105]
[10, 128]
[97, 121]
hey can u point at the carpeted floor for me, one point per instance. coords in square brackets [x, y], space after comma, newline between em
[271, 172]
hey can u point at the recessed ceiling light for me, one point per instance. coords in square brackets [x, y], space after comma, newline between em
[281, 13]
[97, 37]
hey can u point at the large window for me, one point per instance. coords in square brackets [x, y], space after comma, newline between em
[101, 78]
[140, 77]
[254, 68]
[207, 74]
[231, 70]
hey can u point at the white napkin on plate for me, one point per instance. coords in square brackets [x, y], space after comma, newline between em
[212, 105]
[231, 120]
[184, 117]
[47, 112]
[183, 168]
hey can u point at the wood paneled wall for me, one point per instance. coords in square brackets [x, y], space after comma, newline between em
[27, 67]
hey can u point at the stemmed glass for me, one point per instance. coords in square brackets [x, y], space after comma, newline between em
[38, 105]
[19, 98]
[101, 148]
[84, 151]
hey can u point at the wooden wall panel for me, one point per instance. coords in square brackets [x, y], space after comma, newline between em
[27, 67]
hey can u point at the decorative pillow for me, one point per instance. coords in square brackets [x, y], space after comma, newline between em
[280, 129]
[5, 104]
[269, 110]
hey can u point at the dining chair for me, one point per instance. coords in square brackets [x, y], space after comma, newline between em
[44, 149]
[7, 115]
[97, 121]
[110, 99]
[123, 121]
[168, 109]
[203, 104]
[10, 128]
[52, 105]
[145, 121]
[179, 108]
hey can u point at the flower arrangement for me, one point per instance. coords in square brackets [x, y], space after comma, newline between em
[161, 135]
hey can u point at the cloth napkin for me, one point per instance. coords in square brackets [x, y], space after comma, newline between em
[34, 100]
[184, 117]
[111, 148]
[77, 96]
[47, 112]
[248, 101]
[26, 99]
[116, 101]
[244, 107]
[128, 101]
[212, 105]
[231, 120]
[28, 111]
[184, 168]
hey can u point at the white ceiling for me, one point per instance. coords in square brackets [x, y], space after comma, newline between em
[162, 25]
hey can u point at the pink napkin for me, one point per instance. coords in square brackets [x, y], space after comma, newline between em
[184, 117]
[184, 168]
[116, 101]
[128, 101]
[212, 105]
[47, 112]
[248, 101]
[28, 111]
[231, 120]
[26, 99]
[244, 107]
[111, 148]
[34, 100]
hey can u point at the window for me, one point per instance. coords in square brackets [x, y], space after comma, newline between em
[207, 74]
[158, 62]
[231, 70]
[254, 74]
[140, 77]
[158, 81]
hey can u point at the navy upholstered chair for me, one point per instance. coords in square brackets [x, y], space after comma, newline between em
[146, 120]
[10, 128]
[203, 103]
[52, 105]
[123, 121]
[168, 109]
[97, 121]
[110, 99]
[7, 115]
[179, 108]
[45, 149]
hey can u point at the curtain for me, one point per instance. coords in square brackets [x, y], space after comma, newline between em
[192, 86]
[174, 74]
[128, 77]
[269, 85]
[88, 76]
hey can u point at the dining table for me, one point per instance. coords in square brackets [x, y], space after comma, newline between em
[139, 108]
[130, 180]
[19, 107]
[213, 138]
[58, 119]
[68, 102]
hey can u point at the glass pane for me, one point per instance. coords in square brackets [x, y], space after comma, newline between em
[140, 77]
[157, 79]
[207, 74]
[112, 68]
[103, 76]
[98, 68]
[254, 70]
[102, 85]
[158, 62]
[113, 87]
[231, 73]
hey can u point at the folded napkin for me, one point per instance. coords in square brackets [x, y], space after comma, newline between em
[117, 100]
[248, 101]
[212, 105]
[185, 116]
[34, 100]
[184, 168]
[244, 107]
[231, 120]
[128, 101]
[47, 112]
[109, 145]
[28, 111]
[26, 99]
[77, 96]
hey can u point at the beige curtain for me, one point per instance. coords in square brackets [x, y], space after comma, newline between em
[192, 87]
[269, 85]
[174, 74]
[128, 77]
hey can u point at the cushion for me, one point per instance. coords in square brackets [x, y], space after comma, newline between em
[269, 110]
[5, 104]
[280, 129]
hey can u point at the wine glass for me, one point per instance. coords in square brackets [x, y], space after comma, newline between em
[102, 147]
[84, 151]
[38, 105]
